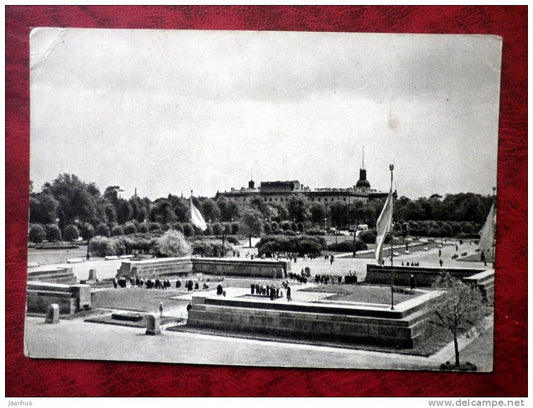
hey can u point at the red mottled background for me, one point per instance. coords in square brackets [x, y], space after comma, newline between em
[29, 377]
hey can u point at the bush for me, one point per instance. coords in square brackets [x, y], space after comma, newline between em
[316, 232]
[129, 228]
[217, 228]
[177, 226]
[188, 229]
[289, 233]
[87, 231]
[285, 225]
[53, 233]
[368, 236]
[208, 230]
[300, 227]
[232, 239]
[71, 233]
[266, 228]
[36, 234]
[104, 246]
[154, 226]
[173, 243]
[274, 226]
[103, 230]
[118, 230]
[142, 228]
[347, 246]
[302, 244]
[235, 228]
[209, 247]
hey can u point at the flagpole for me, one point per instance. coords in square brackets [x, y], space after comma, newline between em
[391, 168]
[494, 229]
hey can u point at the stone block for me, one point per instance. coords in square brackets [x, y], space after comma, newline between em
[52, 314]
[153, 324]
[92, 275]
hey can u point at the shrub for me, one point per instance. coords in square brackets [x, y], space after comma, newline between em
[285, 225]
[209, 247]
[316, 232]
[300, 227]
[368, 236]
[232, 239]
[103, 230]
[129, 228]
[71, 233]
[208, 230]
[227, 228]
[235, 228]
[177, 226]
[188, 229]
[289, 233]
[53, 233]
[217, 228]
[142, 228]
[347, 246]
[165, 227]
[302, 244]
[36, 234]
[266, 228]
[173, 243]
[154, 226]
[118, 230]
[87, 231]
[274, 226]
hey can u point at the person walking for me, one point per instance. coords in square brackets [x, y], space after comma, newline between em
[289, 298]
[161, 309]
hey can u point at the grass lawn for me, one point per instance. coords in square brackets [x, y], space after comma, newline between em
[362, 293]
[143, 300]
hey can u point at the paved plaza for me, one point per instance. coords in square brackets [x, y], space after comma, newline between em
[76, 339]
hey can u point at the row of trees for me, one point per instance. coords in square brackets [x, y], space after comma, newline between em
[67, 200]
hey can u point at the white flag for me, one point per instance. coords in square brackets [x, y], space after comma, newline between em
[383, 226]
[486, 242]
[196, 218]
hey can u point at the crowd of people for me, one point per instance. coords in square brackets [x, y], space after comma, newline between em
[136, 282]
[273, 291]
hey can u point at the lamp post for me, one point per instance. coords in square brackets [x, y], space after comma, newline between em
[391, 168]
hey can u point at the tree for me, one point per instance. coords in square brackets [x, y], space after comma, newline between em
[298, 208]
[103, 230]
[43, 208]
[173, 243]
[318, 213]
[210, 210]
[229, 210]
[251, 224]
[129, 228]
[75, 200]
[37, 234]
[87, 231]
[460, 308]
[71, 233]
[117, 230]
[53, 233]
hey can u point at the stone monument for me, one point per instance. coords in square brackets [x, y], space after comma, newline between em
[153, 324]
[52, 314]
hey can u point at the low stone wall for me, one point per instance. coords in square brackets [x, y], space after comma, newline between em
[424, 276]
[250, 268]
[52, 274]
[485, 282]
[404, 327]
[70, 298]
[155, 268]
[166, 267]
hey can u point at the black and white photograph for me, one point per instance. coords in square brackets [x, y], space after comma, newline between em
[263, 198]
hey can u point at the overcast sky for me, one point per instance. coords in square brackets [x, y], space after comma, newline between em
[170, 111]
